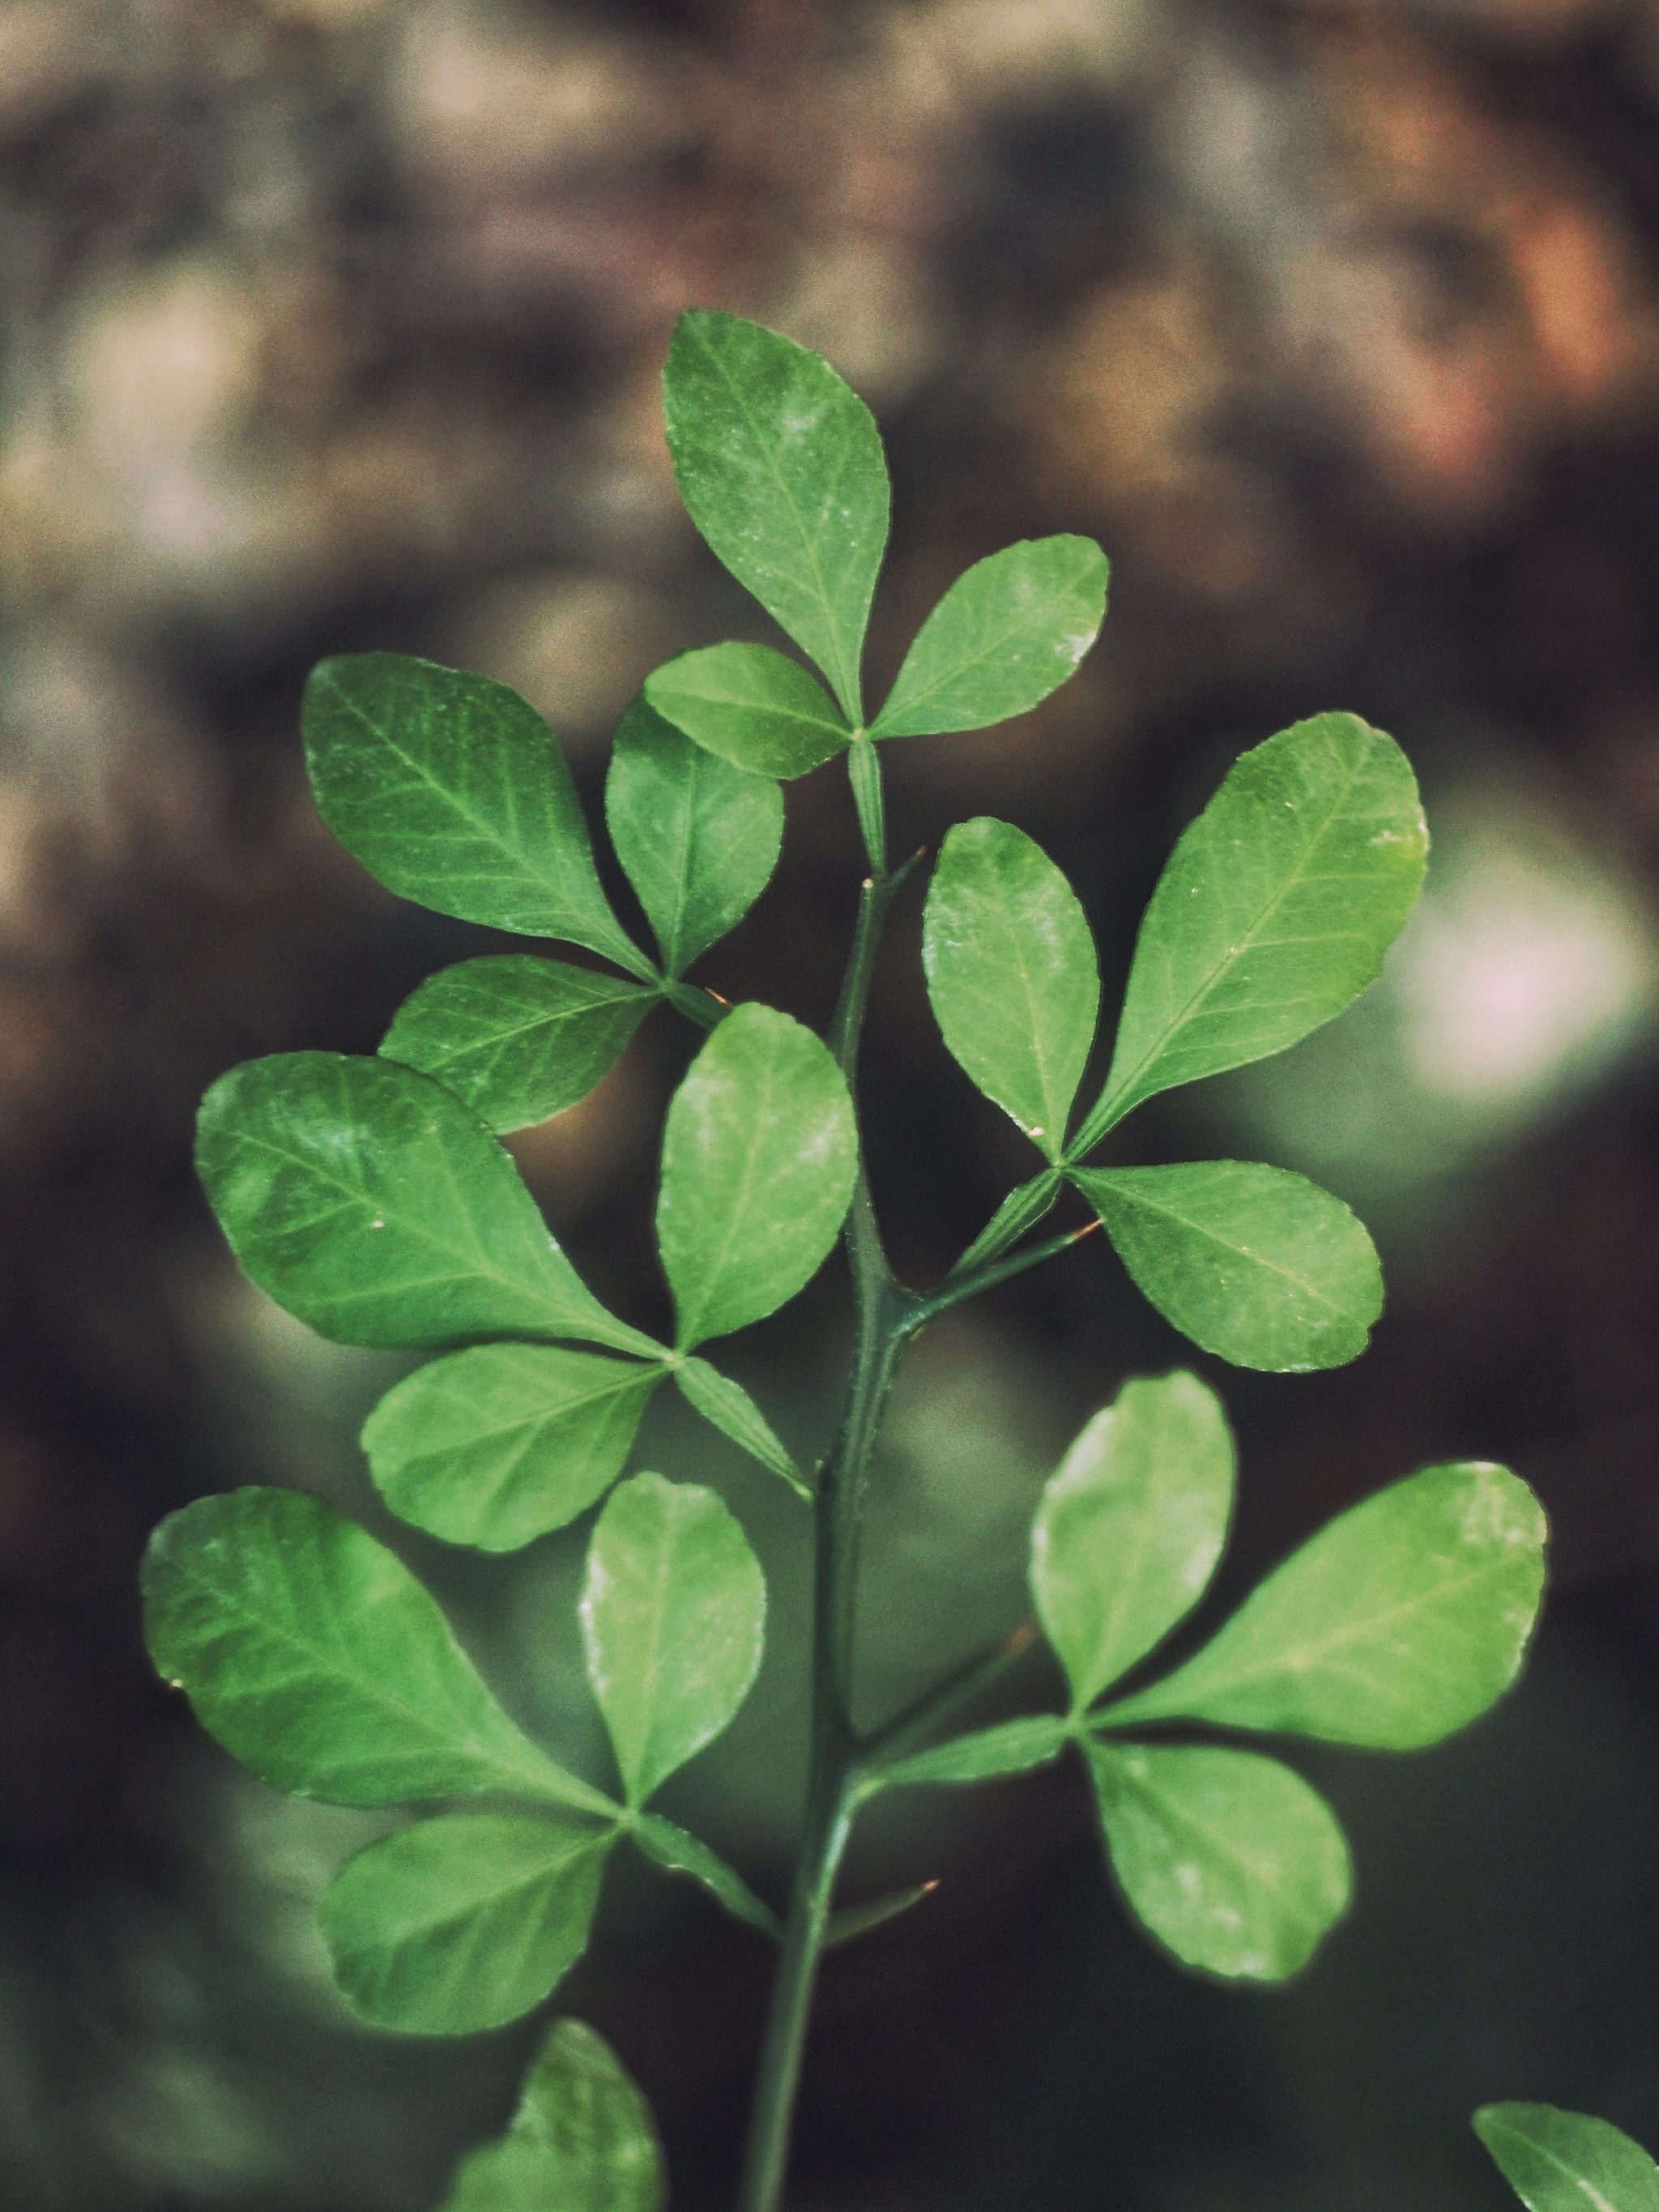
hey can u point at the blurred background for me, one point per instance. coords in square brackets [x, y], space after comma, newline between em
[336, 323]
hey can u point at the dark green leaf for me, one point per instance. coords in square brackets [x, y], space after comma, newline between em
[757, 1165]
[1130, 1529]
[314, 1656]
[453, 791]
[1010, 1747]
[514, 1038]
[673, 1620]
[677, 1852]
[375, 1206]
[1011, 973]
[1021, 1210]
[496, 1445]
[781, 468]
[730, 1409]
[1402, 1620]
[1231, 1860]
[1557, 2161]
[752, 706]
[849, 1921]
[1004, 636]
[581, 2140]
[463, 1922]
[1256, 1265]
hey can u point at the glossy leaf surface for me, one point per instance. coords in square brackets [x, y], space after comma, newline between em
[495, 1446]
[453, 791]
[1130, 1528]
[514, 1038]
[464, 1922]
[755, 708]
[1010, 1747]
[698, 838]
[730, 1408]
[677, 1851]
[312, 1654]
[1258, 1266]
[1007, 634]
[781, 467]
[1233, 1863]
[757, 1163]
[1557, 2161]
[1403, 1619]
[581, 2140]
[1011, 970]
[673, 1615]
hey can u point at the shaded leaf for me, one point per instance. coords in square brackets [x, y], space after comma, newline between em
[1557, 2161]
[581, 2140]
[677, 1851]
[730, 1408]
[1010, 1747]
[849, 1921]
[755, 708]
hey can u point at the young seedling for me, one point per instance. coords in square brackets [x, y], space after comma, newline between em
[1558, 2162]
[371, 1198]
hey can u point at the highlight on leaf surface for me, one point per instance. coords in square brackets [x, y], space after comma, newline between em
[1256, 1265]
[1557, 2161]
[581, 2140]
[463, 1922]
[452, 790]
[755, 708]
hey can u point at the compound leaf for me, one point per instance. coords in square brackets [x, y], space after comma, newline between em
[452, 790]
[581, 2139]
[1557, 2161]
[1233, 1863]
[516, 1038]
[677, 1851]
[755, 708]
[496, 1445]
[781, 467]
[729, 1407]
[464, 1922]
[1010, 1747]
[312, 1654]
[1256, 1265]
[377, 1209]
[698, 838]
[758, 1157]
[1011, 974]
[1007, 634]
[1130, 1528]
[673, 1616]
[1403, 1619]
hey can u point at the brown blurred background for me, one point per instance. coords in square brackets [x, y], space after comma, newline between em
[333, 323]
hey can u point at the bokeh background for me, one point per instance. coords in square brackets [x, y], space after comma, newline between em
[333, 323]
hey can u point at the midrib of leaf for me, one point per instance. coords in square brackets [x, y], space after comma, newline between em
[730, 1215]
[498, 1429]
[498, 1040]
[1181, 1817]
[1579, 2181]
[494, 1897]
[661, 1578]
[1051, 1139]
[1256, 1259]
[992, 646]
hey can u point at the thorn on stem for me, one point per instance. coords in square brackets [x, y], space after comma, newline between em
[1087, 1230]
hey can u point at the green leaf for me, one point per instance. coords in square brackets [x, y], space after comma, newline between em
[1403, 1619]
[758, 1157]
[1230, 1861]
[1273, 912]
[453, 791]
[699, 839]
[752, 706]
[729, 1407]
[375, 1206]
[1007, 634]
[676, 1852]
[673, 1615]
[849, 1921]
[1130, 1529]
[581, 2139]
[1557, 2161]
[1256, 1265]
[1021, 1210]
[1011, 973]
[312, 1654]
[1010, 1747]
[514, 1038]
[463, 1922]
[781, 467]
[495, 1446]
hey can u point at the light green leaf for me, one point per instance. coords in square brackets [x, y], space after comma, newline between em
[1007, 634]
[463, 1922]
[1403, 1619]
[849, 1921]
[1273, 912]
[1010, 1747]
[673, 1616]
[699, 839]
[496, 1445]
[1557, 2161]
[514, 1038]
[781, 467]
[581, 2140]
[312, 1654]
[1229, 1860]
[758, 1157]
[752, 706]
[453, 791]
[730, 1409]
[1130, 1529]
[1011, 973]
[676, 1852]
[1256, 1265]
[377, 1209]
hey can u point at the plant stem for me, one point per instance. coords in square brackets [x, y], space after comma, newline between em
[916, 1721]
[957, 1287]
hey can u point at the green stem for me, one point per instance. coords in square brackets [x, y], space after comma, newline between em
[929, 1712]
[865, 769]
[958, 1286]
[698, 1006]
